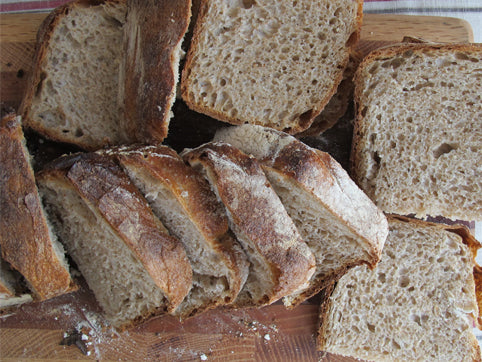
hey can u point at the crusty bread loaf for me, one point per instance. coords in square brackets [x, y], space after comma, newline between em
[269, 62]
[281, 263]
[335, 218]
[417, 142]
[184, 202]
[26, 240]
[132, 265]
[418, 304]
[72, 92]
[153, 34]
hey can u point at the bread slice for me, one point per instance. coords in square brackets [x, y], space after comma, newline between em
[417, 145]
[153, 34]
[72, 92]
[26, 240]
[418, 304]
[281, 263]
[273, 63]
[135, 269]
[335, 218]
[184, 202]
[338, 104]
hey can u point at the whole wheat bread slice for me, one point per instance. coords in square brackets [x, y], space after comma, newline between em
[269, 62]
[335, 218]
[417, 145]
[135, 269]
[71, 94]
[186, 205]
[27, 242]
[418, 304]
[281, 263]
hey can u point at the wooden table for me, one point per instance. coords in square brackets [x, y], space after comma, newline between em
[71, 328]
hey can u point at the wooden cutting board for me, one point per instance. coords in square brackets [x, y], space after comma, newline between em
[50, 330]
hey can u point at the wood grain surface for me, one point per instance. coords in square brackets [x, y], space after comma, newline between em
[71, 327]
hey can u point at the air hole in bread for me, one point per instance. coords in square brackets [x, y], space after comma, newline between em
[443, 149]
[371, 327]
[79, 132]
[404, 281]
[248, 4]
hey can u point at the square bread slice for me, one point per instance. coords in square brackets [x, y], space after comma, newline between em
[27, 242]
[418, 304]
[340, 224]
[417, 145]
[188, 208]
[274, 63]
[281, 262]
[131, 263]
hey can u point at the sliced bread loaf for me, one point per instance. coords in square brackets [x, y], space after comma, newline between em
[335, 218]
[132, 265]
[269, 62]
[26, 240]
[417, 146]
[153, 34]
[72, 91]
[186, 205]
[281, 263]
[418, 304]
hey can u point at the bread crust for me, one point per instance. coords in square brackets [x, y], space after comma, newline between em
[381, 54]
[467, 238]
[287, 256]
[198, 201]
[36, 77]
[25, 238]
[302, 122]
[104, 187]
[148, 75]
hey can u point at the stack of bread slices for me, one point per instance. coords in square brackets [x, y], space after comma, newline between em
[254, 216]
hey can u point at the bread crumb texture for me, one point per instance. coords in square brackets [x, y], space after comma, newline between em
[269, 62]
[416, 305]
[81, 67]
[419, 132]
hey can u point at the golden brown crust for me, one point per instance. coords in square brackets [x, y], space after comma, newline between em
[24, 234]
[381, 54]
[256, 214]
[198, 201]
[153, 32]
[304, 120]
[103, 185]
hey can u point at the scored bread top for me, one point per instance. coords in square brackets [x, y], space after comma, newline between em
[199, 203]
[417, 139]
[104, 186]
[26, 241]
[317, 173]
[256, 212]
[153, 35]
[274, 63]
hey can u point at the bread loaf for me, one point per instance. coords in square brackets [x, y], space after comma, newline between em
[184, 202]
[419, 303]
[335, 218]
[26, 240]
[417, 142]
[281, 263]
[153, 34]
[269, 62]
[135, 269]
